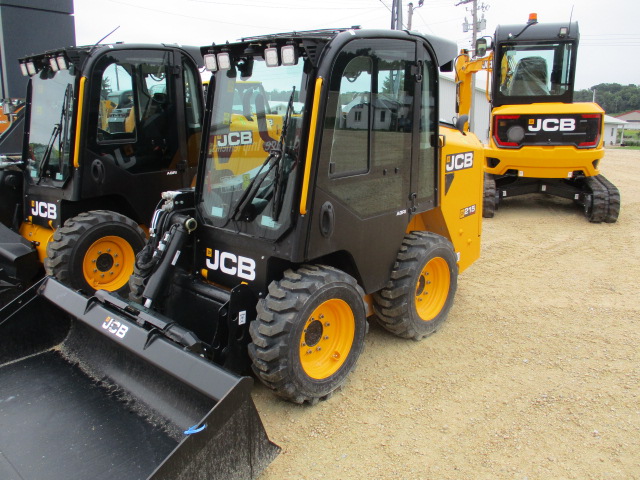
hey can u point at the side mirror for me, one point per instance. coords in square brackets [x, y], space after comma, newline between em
[481, 47]
[461, 122]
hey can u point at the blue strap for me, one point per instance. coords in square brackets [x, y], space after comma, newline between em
[195, 429]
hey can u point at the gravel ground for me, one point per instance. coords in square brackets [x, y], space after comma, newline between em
[535, 374]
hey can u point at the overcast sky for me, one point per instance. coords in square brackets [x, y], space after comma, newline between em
[609, 49]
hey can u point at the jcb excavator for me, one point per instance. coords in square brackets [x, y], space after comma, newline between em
[107, 129]
[326, 193]
[540, 140]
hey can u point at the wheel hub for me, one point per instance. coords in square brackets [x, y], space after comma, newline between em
[313, 333]
[104, 262]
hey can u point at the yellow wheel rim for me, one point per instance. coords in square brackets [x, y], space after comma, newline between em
[432, 288]
[327, 338]
[108, 263]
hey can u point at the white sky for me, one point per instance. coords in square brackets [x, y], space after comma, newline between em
[609, 43]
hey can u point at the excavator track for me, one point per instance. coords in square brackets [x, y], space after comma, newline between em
[602, 201]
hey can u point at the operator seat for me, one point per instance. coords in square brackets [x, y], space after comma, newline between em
[530, 77]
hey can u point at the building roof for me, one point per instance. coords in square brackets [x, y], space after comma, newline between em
[632, 115]
[608, 119]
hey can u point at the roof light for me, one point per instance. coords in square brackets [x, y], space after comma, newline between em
[53, 64]
[564, 31]
[62, 62]
[210, 62]
[224, 62]
[289, 55]
[533, 18]
[23, 69]
[31, 67]
[271, 57]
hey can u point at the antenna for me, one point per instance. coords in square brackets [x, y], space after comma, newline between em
[106, 35]
[570, 18]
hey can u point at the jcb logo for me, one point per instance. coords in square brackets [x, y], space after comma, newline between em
[44, 209]
[459, 161]
[115, 327]
[552, 124]
[234, 139]
[242, 267]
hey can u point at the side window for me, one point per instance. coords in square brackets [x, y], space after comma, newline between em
[116, 113]
[136, 122]
[350, 149]
[368, 141]
[192, 98]
[428, 129]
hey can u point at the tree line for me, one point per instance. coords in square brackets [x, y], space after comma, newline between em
[612, 97]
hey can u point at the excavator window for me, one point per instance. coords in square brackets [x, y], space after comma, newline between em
[535, 70]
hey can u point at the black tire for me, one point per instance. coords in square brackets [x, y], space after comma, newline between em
[489, 198]
[398, 306]
[301, 357]
[95, 250]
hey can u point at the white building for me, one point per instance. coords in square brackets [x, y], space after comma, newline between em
[613, 130]
[480, 111]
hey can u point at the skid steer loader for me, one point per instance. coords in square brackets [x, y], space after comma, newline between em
[326, 193]
[108, 128]
[540, 140]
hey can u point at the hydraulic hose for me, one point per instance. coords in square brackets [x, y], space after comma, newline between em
[168, 250]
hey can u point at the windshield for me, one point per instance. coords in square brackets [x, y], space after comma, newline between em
[536, 70]
[254, 147]
[50, 126]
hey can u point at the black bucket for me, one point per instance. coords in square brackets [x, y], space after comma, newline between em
[86, 393]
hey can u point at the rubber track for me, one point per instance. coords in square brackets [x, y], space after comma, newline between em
[489, 196]
[613, 209]
[605, 205]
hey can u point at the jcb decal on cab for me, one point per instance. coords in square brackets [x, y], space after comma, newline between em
[459, 161]
[552, 124]
[44, 209]
[237, 265]
[235, 139]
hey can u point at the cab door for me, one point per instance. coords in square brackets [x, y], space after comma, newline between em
[367, 177]
[136, 130]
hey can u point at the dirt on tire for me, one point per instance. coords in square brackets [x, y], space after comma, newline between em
[535, 374]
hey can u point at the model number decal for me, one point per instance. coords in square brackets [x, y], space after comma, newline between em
[44, 209]
[115, 327]
[459, 161]
[466, 211]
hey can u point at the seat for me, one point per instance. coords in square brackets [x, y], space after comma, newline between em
[530, 77]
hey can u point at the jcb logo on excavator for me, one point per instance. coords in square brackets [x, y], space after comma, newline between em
[115, 327]
[459, 161]
[234, 139]
[552, 124]
[242, 267]
[44, 209]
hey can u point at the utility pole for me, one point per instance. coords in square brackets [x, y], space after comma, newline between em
[410, 12]
[477, 25]
[396, 15]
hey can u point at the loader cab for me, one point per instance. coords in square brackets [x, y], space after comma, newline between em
[328, 140]
[107, 123]
[534, 63]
